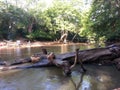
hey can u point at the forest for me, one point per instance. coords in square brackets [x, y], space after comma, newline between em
[82, 20]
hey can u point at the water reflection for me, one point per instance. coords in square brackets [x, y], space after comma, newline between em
[29, 50]
[7, 54]
[64, 48]
[7, 85]
[18, 52]
[79, 84]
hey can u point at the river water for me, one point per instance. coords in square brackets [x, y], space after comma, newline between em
[52, 78]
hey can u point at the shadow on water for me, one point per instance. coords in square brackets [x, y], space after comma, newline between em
[96, 78]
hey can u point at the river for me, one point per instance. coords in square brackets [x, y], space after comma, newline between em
[97, 77]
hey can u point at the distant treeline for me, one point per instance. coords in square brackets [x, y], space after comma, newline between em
[100, 22]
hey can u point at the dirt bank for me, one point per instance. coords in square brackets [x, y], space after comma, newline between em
[21, 44]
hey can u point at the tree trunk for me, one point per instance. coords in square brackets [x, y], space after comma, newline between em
[107, 55]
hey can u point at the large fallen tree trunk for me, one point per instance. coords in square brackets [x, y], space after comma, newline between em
[107, 55]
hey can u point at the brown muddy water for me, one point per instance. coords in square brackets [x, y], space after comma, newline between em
[51, 78]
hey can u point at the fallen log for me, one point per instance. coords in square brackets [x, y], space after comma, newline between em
[37, 61]
[106, 55]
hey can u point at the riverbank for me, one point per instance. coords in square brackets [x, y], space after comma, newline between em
[21, 44]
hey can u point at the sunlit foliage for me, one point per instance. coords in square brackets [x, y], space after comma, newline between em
[43, 20]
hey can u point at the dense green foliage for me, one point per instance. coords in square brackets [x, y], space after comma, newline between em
[41, 22]
[13, 21]
[49, 21]
[104, 19]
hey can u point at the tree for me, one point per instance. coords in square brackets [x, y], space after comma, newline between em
[12, 19]
[62, 17]
[104, 19]
[42, 21]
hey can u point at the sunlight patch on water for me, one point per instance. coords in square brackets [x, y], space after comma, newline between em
[86, 85]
